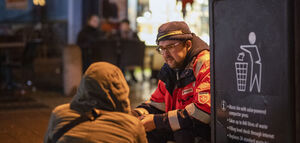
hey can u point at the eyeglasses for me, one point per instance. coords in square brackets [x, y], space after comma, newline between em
[170, 48]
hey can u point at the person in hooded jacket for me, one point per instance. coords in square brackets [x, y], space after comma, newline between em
[179, 109]
[102, 107]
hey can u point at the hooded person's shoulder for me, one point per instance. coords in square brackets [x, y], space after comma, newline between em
[123, 121]
[121, 117]
[64, 110]
[61, 107]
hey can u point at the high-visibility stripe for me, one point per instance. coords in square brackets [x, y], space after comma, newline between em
[142, 111]
[173, 120]
[197, 113]
[160, 106]
[198, 67]
[200, 63]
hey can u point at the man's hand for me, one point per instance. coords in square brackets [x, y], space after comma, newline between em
[148, 122]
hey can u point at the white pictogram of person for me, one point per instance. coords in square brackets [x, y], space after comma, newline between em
[255, 66]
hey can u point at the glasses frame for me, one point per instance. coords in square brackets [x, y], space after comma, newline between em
[168, 48]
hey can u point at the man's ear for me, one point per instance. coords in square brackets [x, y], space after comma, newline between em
[188, 44]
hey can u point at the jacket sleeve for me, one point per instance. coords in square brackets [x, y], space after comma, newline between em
[49, 132]
[156, 104]
[197, 112]
[202, 94]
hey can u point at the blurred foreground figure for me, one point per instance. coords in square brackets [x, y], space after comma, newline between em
[99, 112]
[179, 109]
[87, 38]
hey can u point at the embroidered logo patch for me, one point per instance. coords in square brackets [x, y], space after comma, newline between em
[203, 97]
[186, 91]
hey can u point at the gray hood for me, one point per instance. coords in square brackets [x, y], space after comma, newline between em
[104, 87]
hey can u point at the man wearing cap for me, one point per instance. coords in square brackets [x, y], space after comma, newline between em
[179, 109]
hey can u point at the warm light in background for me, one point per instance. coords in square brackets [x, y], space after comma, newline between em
[161, 11]
[39, 2]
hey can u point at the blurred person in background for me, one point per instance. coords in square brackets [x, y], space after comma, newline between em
[179, 109]
[99, 112]
[126, 33]
[87, 38]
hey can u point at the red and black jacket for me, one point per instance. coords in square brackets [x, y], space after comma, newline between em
[182, 97]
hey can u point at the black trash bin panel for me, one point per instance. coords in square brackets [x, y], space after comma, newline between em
[252, 74]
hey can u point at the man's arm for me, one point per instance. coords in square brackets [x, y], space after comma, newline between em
[155, 105]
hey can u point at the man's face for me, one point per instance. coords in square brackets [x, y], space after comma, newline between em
[174, 52]
[94, 22]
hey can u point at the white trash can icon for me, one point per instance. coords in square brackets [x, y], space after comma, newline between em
[241, 69]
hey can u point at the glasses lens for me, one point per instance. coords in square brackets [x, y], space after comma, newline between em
[158, 49]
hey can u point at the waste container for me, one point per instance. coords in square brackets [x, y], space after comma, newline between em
[255, 70]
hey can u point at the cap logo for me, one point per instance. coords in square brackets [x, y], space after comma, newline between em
[170, 33]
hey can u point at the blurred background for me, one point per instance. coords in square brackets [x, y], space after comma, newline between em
[38, 38]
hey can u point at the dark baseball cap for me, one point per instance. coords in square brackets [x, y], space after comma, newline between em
[175, 30]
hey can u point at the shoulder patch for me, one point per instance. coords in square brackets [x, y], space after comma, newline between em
[203, 97]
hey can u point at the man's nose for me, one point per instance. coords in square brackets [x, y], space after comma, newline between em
[165, 53]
